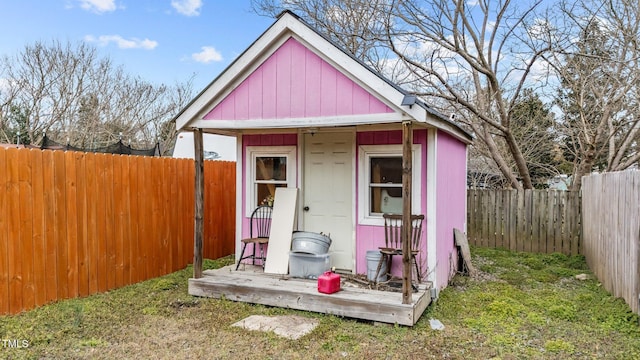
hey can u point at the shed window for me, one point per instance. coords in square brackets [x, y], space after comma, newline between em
[271, 173]
[380, 183]
[269, 168]
[385, 185]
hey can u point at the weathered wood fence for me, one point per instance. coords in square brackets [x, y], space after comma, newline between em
[611, 239]
[74, 224]
[539, 221]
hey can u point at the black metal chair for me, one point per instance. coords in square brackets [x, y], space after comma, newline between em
[393, 241]
[261, 223]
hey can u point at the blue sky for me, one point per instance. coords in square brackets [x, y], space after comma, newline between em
[162, 41]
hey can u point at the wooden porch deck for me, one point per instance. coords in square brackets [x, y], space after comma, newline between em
[253, 286]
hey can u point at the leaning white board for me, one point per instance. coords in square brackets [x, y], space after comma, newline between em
[282, 220]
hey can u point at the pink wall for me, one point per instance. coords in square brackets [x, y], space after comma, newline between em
[294, 82]
[451, 201]
[451, 194]
[369, 237]
[269, 140]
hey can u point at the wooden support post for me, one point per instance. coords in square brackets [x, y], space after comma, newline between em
[199, 200]
[407, 143]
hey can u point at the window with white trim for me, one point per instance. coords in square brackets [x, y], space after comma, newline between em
[380, 181]
[269, 167]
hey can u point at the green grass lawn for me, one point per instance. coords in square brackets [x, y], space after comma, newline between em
[521, 306]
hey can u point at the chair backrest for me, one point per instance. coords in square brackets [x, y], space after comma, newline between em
[261, 222]
[393, 231]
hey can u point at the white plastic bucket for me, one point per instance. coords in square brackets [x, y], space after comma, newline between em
[373, 258]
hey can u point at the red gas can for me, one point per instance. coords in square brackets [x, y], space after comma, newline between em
[329, 282]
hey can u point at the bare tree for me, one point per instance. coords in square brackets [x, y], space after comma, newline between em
[599, 96]
[66, 91]
[353, 24]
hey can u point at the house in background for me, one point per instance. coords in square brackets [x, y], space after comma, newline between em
[216, 147]
[305, 114]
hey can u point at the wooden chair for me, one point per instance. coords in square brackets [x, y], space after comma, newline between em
[261, 223]
[393, 241]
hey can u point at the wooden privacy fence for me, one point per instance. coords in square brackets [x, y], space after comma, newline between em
[611, 239]
[74, 224]
[539, 221]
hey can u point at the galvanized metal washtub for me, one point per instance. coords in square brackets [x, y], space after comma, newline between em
[310, 243]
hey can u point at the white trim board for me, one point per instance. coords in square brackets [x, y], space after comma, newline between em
[432, 208]
[239, 214]
[282, 221]
[344, 120]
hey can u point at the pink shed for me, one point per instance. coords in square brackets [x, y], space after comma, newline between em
[295, 99]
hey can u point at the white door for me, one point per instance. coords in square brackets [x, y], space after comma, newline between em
[328, 195]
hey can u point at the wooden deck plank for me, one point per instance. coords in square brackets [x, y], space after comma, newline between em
[301, 294]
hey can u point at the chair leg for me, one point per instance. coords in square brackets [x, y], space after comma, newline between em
[415, 262]
[244, 246]
[263, 258]
[254, 253]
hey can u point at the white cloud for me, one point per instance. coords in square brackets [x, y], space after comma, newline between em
[122, 43]
[98, 6]
[207, 55]
[187, 7]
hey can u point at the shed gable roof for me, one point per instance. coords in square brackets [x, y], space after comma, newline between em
[358, 96]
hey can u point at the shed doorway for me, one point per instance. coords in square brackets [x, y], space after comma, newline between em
[328, 193]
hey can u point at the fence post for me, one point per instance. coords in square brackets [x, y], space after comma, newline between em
[199, 200]
[407, 135]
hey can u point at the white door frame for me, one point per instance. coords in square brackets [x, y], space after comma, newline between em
[301, 177]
